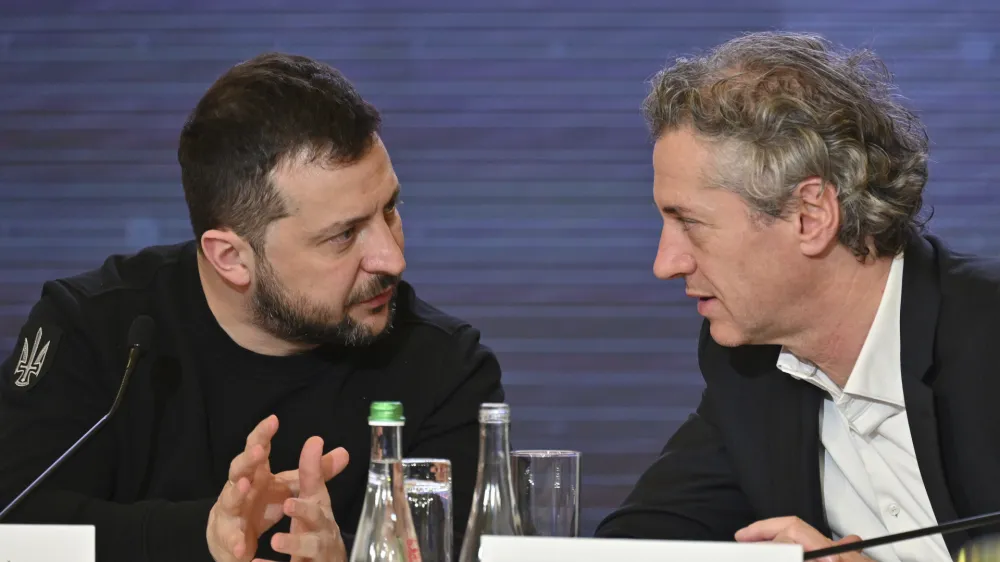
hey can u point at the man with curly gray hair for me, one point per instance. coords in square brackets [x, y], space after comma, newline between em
[844, 348]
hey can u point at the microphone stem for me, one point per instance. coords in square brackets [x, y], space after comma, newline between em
[953, 526]
[53, 466]
[133, 357]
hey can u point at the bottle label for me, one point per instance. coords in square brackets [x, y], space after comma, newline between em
[412, 550]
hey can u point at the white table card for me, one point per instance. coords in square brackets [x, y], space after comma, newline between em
[558, 549]
[46, 543]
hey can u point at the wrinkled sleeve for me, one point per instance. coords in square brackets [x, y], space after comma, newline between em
[52, 390]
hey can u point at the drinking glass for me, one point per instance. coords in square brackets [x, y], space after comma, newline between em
[428, 491]
[547, 488]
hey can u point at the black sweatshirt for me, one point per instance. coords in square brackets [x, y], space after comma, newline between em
[148, 479]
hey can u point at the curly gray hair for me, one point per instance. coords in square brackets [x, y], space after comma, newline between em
[783, 107]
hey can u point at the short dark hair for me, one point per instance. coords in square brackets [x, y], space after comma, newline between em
[255, 117]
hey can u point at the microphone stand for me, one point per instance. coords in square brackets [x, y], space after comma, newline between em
[957, 525]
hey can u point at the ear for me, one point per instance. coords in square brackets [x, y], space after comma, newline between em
[230, 255]
[818, 216]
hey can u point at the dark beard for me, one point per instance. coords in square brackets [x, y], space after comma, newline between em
[294, 320]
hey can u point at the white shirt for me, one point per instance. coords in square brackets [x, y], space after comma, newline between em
[869, 473]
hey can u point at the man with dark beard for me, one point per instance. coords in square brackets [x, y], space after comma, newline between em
[275, 329]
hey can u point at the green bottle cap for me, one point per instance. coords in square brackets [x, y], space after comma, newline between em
[386, 413]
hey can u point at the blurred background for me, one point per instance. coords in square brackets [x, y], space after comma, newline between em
[515, 129]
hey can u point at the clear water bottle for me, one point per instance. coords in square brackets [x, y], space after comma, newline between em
[385, 530]
[493, 509]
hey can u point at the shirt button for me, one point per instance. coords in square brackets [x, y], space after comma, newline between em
[893, 510]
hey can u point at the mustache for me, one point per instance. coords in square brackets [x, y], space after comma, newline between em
[373, 288]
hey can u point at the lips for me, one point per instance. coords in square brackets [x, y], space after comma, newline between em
[381, 298]
[705, 304]
[701, 296]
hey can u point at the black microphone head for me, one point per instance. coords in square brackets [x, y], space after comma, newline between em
[140, 334]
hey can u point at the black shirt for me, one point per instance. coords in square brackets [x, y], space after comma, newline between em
[148, 479]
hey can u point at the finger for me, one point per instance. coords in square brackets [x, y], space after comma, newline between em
[764, 530]
[237, 544]
[840, 557]
[290, 479]
[334, 462]
[245, 463]
[306, 545]
[848, 540]
[314, 515]
[799, 532]
[263, 433]
[234, 495]
[311, 482]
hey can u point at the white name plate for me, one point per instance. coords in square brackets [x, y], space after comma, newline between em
[46, 543]
[559, 549]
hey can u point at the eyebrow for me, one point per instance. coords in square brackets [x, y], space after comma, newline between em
[340, 226]
[676, 210]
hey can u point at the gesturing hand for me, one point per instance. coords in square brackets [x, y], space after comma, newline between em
[314, 535]
[252, 499]
[796, 531]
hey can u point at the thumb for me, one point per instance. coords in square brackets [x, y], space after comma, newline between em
[846, 540]
[764, 530]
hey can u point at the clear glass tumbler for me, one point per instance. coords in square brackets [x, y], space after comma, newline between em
[547, 488]
[428, 491]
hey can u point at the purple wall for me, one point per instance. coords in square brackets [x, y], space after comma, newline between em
[524, 160]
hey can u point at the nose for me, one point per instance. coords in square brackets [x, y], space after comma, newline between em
[673, 258]
[383, 251]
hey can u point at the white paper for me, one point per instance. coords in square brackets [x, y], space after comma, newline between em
[47, 543]
[559, 549]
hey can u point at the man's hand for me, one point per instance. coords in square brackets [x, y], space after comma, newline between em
[796, 531]
[314, 535]
[252, 500]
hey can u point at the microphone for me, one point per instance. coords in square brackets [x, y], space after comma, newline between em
[140, 340]
[958, 525]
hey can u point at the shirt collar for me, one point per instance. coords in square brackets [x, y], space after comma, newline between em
[874, 391]
[877, 374]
